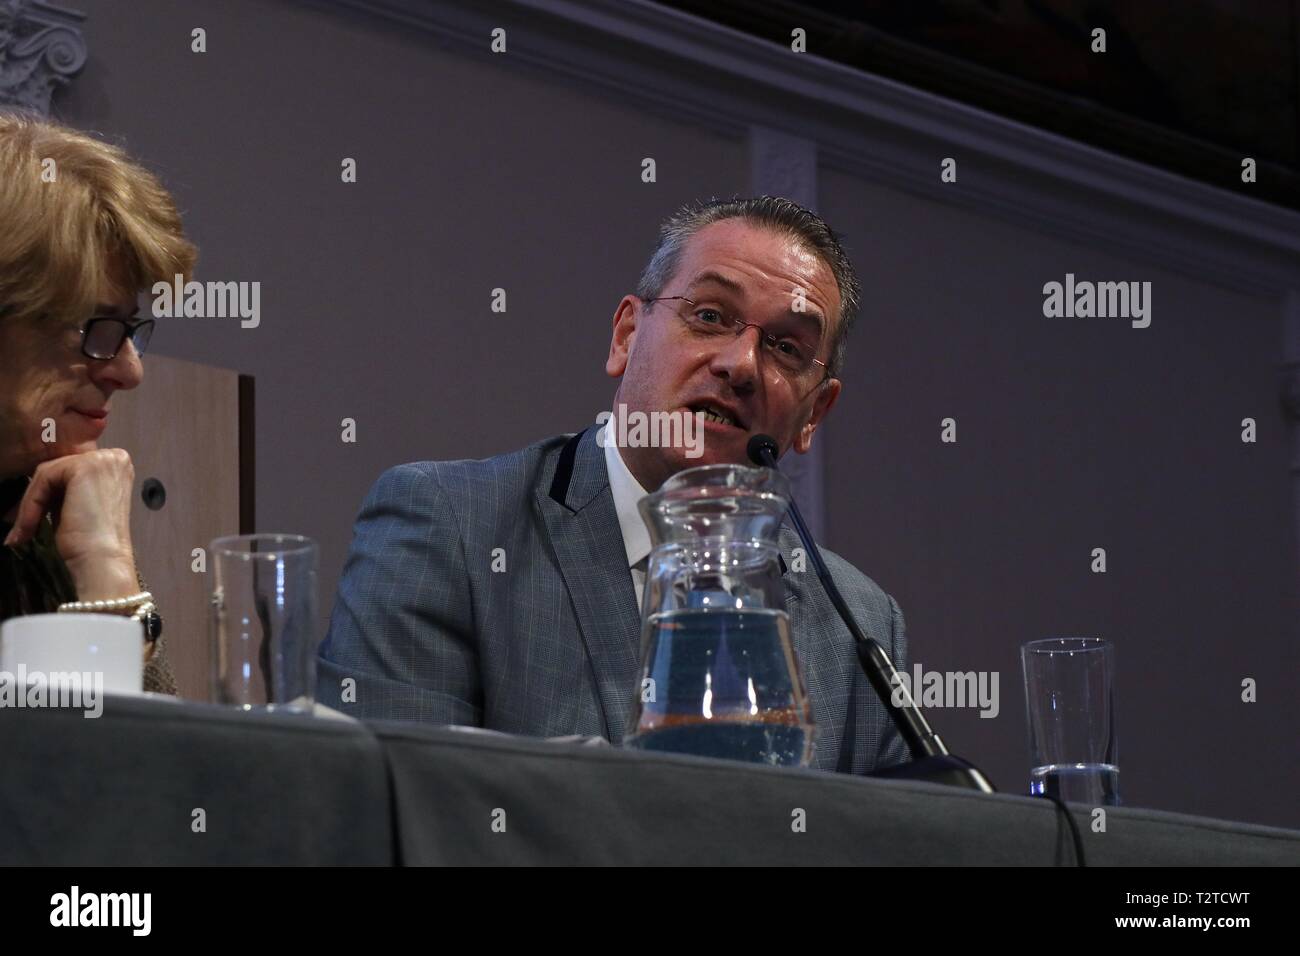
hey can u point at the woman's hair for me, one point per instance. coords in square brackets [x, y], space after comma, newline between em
[73, 212]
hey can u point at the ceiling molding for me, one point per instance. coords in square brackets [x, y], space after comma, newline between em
[679, 65]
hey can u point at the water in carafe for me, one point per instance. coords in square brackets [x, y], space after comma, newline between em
[720, 676]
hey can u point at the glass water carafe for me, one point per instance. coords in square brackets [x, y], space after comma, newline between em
[719, 673]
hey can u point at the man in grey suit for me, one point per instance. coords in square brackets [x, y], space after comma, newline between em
[504, 593]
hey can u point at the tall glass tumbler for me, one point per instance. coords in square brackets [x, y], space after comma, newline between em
[1070, 703]
[263, 621]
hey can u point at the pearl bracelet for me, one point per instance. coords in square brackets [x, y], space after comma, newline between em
[130, 604]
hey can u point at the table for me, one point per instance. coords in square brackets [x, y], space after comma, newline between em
[123, 789]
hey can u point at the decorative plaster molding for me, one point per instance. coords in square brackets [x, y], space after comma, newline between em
[41, 47]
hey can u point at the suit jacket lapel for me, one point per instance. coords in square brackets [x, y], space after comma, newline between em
[578, 509]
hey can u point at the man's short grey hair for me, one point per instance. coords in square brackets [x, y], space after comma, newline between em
[774, 212]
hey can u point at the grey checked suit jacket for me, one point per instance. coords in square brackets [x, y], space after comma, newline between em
[431, 633]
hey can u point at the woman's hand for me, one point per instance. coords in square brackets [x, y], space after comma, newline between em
[89, 498]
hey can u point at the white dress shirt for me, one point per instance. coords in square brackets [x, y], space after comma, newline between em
[627, 491]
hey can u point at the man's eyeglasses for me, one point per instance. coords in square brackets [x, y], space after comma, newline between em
[792, 357]
[103, 336]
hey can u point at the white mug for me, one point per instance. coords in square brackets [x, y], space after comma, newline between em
[87, 644]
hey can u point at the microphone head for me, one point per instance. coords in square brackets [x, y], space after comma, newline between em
[762, 450]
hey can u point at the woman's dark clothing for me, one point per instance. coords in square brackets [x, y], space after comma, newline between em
[34, 580]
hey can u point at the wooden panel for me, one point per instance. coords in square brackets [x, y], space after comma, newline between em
[182, 428]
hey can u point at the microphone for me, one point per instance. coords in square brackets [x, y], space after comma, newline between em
[762, 450]
[930, 758]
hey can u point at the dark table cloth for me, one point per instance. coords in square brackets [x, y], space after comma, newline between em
[285, 789]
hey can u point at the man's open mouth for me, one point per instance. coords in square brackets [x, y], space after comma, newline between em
[712, 413]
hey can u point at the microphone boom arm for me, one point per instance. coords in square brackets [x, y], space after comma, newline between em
[930, 757]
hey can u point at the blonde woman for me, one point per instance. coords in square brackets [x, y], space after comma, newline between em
[83, 230]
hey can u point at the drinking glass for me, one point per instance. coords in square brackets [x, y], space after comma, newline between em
[263, 621]
[1070, 703]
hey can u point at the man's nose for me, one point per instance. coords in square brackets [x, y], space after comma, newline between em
[123, 371]
[739, 358]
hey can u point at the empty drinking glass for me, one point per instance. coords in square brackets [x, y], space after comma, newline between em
[263, 621]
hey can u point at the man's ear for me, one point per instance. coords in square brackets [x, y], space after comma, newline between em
[827, 393]
[620, 343]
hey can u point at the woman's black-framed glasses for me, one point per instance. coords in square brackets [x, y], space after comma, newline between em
[103, 336]
[793, 358]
